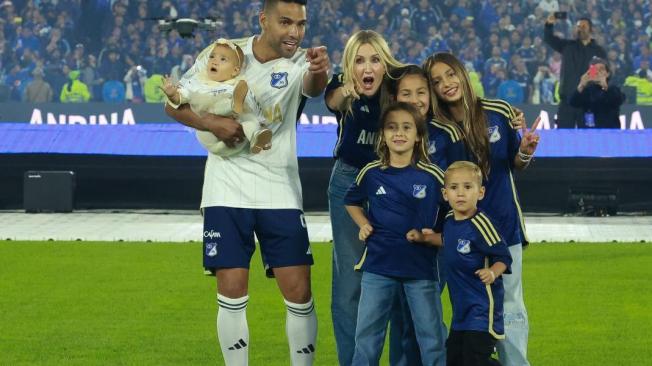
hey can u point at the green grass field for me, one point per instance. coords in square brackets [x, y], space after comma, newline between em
[86, 303]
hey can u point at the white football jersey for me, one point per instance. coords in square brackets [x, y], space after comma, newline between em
[269, 179]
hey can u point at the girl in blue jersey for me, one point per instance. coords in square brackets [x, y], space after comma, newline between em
[353, 97]
[401, 190]
[476, 256]
[488, 138]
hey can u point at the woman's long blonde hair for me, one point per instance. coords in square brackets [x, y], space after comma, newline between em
[474, 125]
[351, 50]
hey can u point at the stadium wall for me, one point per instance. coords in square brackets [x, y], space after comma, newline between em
[119, 182]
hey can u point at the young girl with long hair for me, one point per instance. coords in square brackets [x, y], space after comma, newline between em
[488, 138]
[401, 191]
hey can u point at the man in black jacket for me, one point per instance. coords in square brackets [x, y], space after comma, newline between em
[576, 56]
[599, 101]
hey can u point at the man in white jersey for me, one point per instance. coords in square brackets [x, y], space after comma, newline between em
[262, 193]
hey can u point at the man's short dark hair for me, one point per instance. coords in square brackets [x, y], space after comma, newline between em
[588, 20]
[269, 3]
[598, 60]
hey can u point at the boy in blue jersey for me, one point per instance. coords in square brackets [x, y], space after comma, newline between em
[476, 256]
[402, 193]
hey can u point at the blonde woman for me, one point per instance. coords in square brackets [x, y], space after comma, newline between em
[354, 97]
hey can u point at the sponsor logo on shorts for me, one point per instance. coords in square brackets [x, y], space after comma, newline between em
[212, 234]
[211, 249]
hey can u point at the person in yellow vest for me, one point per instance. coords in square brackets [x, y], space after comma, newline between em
[643, 87]
[74, 91]
[152, 90]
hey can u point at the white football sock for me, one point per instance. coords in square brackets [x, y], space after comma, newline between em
[301, 329]
[232, 330]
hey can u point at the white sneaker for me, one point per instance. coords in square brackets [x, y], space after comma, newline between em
[262, 140]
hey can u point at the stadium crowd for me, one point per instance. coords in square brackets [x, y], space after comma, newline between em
[75, 51]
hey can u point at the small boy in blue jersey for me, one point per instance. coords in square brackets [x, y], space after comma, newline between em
[476, 256]
[402, 191]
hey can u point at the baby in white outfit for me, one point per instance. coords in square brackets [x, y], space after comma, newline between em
[218, 89]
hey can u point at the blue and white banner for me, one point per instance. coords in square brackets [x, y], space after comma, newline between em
[145, 130]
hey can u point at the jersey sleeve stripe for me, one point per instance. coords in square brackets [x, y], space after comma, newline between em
[359, 264]
[490, 298]
[499, 106]
[451, 130]
[364, 170]
[518, 209]
[434, 170]
[489, 225]
[487, 237]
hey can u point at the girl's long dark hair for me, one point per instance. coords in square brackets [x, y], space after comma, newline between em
[474, 124]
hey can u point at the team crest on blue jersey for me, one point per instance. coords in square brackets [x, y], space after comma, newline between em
[419, 191]
[279, 80]
[432, 148]
[494, 134]
[463, 246]
[211, 249]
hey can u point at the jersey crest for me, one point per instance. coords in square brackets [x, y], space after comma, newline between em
[432, 148]
[494, 134]
[279, 80]
[419, 191]
[463, 246]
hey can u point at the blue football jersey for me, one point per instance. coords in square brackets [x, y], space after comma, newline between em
[399, 200]
[501, 199]
[445, 144]
[470, 245]
[357, 130]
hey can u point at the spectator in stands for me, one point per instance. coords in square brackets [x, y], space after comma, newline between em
[474, 79]
[74, 91]
[509, 89]
[112, 67]
[599, 101]
[90, 77]
[425, 15]
[38, 90]
[491, 81]
[495, 59]
[644, 54]
[548, 6]
[617, 67]
[576, 55]
[543, 88]
[520, 74]
[644, 70]
[77, 59]
[135, 84]
[526, 51]
[26, 39]
[643, 86]
[182, 67]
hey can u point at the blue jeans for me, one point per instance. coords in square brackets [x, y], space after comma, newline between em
[512, 350]
[377, 298]
[347, 251]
